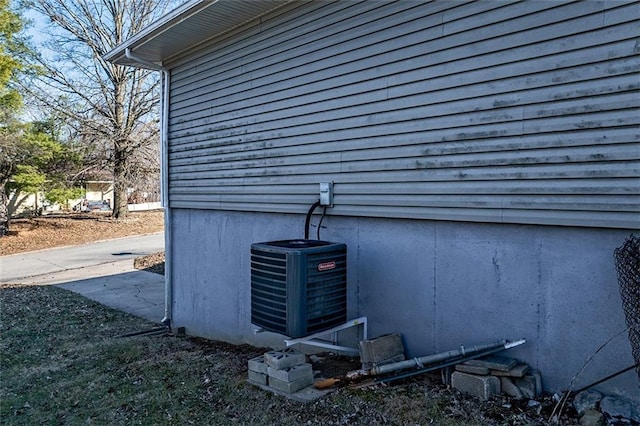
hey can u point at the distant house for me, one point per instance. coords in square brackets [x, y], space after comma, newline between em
[144, 196]
[485, 158]
[99, 190]
[25, 204]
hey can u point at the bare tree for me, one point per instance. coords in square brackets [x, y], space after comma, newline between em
[108, 104]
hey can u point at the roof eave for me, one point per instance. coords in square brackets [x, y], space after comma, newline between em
[117, 55]
[152, 46]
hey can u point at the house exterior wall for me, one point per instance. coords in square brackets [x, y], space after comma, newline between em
[485, 161]
[24, 203]
[438, 283]
[504, 112]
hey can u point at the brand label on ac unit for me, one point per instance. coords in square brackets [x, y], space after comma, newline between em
[326, 266]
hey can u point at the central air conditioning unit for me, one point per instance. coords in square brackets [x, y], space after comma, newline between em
[298, 287]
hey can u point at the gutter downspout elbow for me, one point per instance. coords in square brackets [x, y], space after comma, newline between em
[164, 181]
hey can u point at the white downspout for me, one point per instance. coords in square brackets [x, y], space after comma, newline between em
[164, 181]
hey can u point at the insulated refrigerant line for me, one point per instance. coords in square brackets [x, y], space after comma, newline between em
[307, 221]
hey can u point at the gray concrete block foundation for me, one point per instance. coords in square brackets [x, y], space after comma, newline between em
[554, 286]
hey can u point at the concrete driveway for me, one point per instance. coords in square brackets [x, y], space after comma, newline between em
[101, 271]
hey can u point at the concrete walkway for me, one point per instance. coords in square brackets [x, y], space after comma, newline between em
[122, 287]
[43, 262]
[91, 271]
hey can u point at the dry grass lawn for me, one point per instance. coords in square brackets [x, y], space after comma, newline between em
[65, 362]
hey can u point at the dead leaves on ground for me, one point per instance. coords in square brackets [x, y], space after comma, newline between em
[76, 228]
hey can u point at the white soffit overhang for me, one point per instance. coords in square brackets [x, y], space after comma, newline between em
[189, 25]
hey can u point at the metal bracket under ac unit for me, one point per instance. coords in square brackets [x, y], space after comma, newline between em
[315, 339]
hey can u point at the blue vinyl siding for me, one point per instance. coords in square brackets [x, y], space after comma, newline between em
[492, 111]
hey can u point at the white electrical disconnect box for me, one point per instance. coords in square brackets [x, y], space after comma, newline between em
[326, 194]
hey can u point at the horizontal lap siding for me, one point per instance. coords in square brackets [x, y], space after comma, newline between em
[523, 112]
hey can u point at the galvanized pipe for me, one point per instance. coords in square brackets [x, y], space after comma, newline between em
[424, 364]
[421, 362]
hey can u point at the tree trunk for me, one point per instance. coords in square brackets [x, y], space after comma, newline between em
[123, 102]
[120, 207]
[4, 215]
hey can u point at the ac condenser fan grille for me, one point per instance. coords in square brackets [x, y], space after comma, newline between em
[298, 287]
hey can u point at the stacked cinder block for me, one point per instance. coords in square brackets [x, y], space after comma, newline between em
[284, 370]
[258, 371]
[494, 374]
[381, 350]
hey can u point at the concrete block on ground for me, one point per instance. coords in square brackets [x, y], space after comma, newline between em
[530, 384]
[258, 365]
[510, 388]
[257, 378]
[494, 363]
[481, 386]
[381, 350]
[472, 369]
[291, 374]
[518, 371]
[592, 418]
[284, 358]
[290, 387]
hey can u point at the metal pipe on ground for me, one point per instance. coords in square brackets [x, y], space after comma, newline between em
[424, 363]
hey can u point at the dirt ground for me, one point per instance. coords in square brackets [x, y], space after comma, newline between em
[75, 228]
